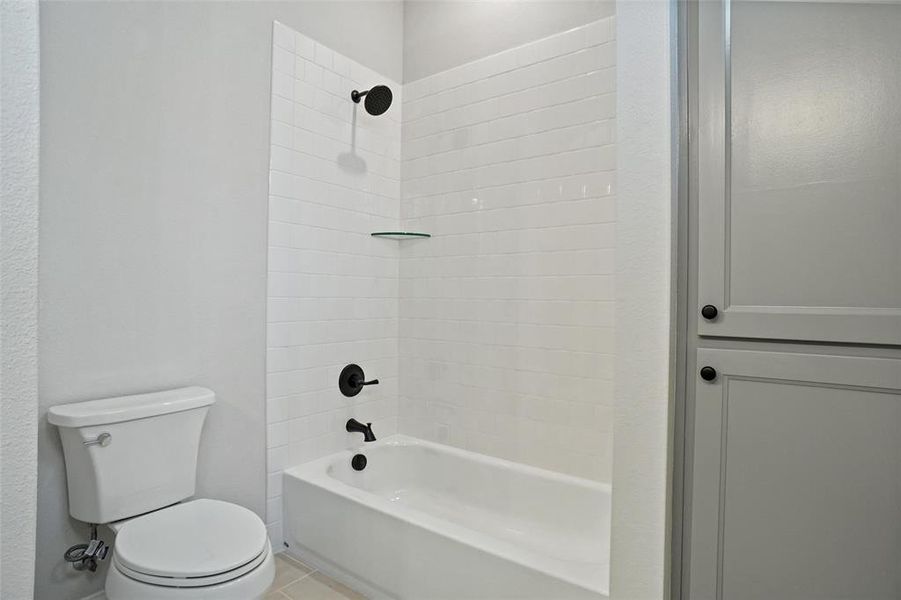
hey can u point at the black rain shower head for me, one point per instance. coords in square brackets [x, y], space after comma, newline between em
[378, 99]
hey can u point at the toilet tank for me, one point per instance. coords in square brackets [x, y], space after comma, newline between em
[131, 454]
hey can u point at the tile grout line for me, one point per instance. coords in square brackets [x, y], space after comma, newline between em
[294, 563]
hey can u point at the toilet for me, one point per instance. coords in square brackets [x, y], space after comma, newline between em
[131, 464]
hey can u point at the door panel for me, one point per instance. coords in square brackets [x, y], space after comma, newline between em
[799, 191]
[797, 477]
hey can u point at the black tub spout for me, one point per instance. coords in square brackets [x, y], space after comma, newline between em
[354, 425]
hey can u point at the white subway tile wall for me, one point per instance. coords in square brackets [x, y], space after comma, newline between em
[333, 289]
[506, 314]
[494, 335]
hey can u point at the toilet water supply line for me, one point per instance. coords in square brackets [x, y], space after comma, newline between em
[85, 556]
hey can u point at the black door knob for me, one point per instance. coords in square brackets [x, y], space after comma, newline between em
[708, 373]
[709, 312]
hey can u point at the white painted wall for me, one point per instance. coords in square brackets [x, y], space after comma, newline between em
[19, 127]
[334, 179]
[370, 32]
[643, 246]
[442, 34]
[506, 314]
[154, 174]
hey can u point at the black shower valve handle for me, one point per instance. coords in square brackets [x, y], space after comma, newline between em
[354, 381]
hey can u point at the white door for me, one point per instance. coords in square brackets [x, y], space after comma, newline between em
[799, 181]
[797, 477]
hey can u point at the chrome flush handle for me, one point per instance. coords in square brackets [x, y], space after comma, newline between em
[104, 439]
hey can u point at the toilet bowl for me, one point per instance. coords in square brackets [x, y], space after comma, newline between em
[198, 549]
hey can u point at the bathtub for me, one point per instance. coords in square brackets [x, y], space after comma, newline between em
[425, 521]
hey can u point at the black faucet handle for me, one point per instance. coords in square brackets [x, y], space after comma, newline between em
[351, 380]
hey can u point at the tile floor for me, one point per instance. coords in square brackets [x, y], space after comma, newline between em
[297, 581]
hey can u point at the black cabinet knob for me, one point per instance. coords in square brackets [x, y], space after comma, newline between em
[709, 312]
[708, 373]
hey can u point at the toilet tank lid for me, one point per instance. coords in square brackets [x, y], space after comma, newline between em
[129, 408]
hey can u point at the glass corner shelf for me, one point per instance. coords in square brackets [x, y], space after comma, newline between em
[400, 235]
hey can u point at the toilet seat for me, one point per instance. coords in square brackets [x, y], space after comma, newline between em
[183, 582]
[193, 544]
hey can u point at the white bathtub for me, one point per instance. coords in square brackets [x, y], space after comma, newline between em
[425, 521]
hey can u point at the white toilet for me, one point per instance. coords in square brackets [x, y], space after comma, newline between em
[131, 463]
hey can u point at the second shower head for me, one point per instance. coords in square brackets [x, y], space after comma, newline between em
[377, 100]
